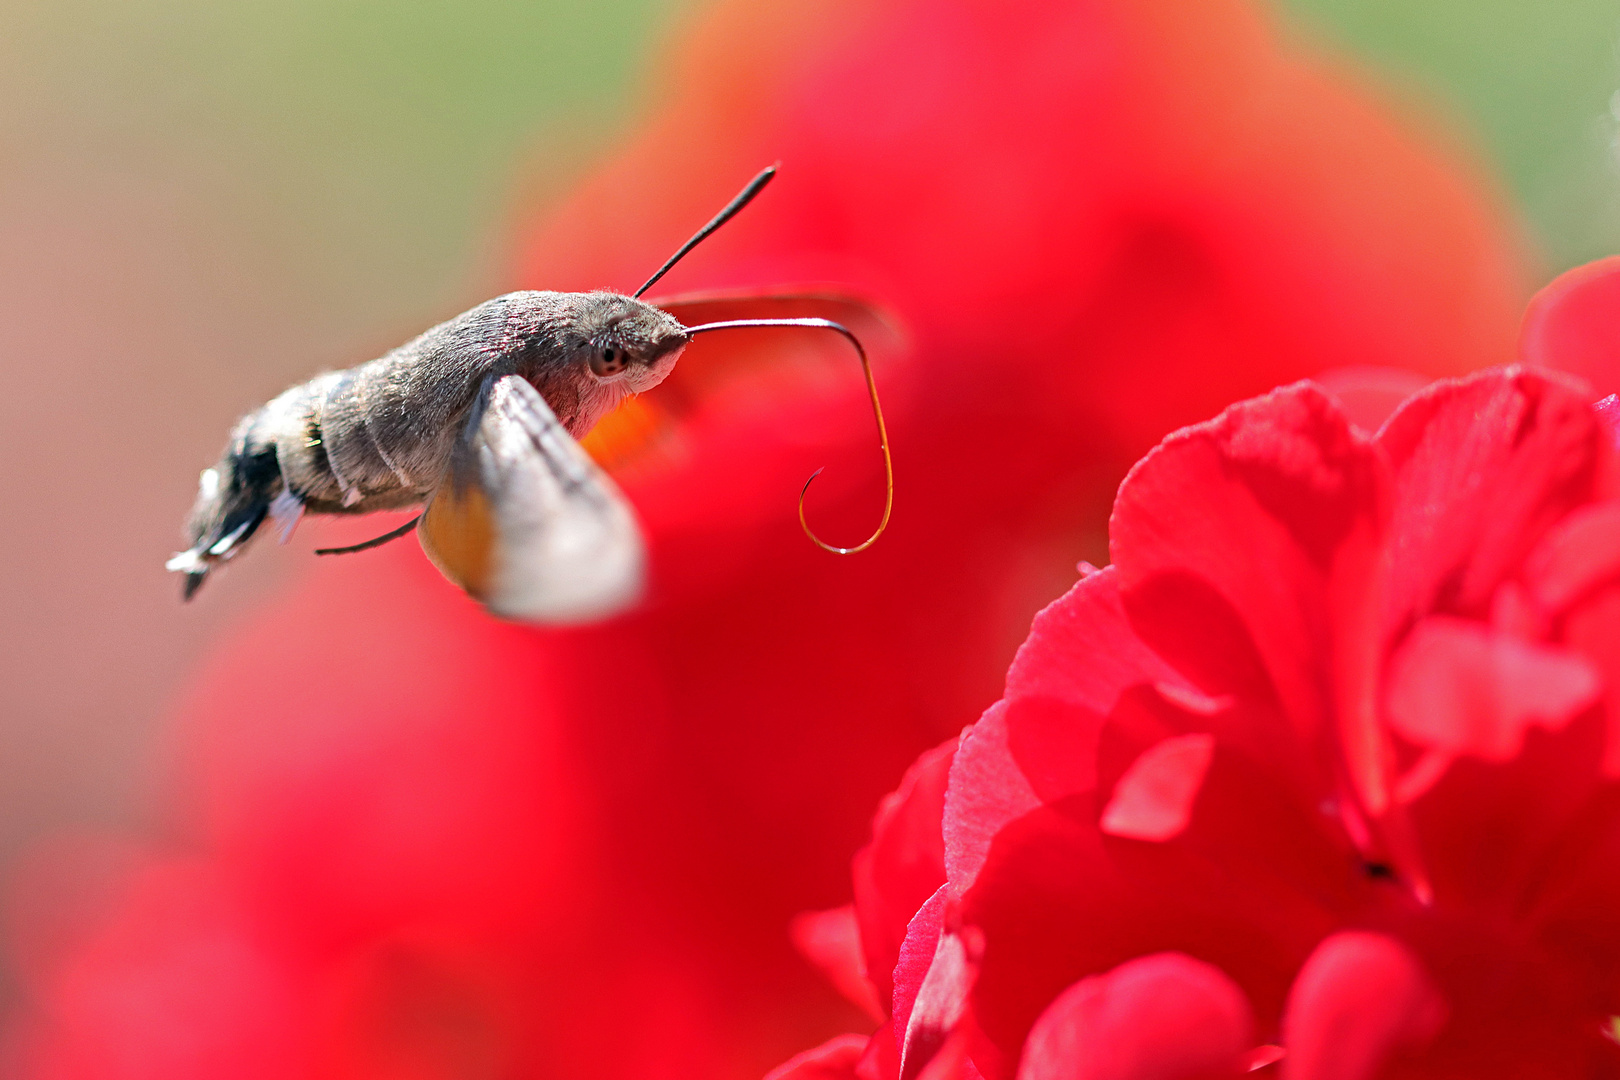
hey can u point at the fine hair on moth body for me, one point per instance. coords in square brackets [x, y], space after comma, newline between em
[478, 422]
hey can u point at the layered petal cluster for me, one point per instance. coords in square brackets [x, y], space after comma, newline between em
[412, 842]
[1322, 773]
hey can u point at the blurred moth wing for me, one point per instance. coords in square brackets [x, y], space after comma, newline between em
[644, 432]
[778, 355]
[526, 522]
[868, 319]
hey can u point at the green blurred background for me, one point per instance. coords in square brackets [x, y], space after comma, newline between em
[201, 202]
[1531, 87]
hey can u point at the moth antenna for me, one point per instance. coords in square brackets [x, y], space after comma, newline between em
[877, 414]
[744, 197]
[375, 541]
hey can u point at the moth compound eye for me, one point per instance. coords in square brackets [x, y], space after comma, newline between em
[609, 361]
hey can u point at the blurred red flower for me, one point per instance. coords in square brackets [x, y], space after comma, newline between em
[423, 844]
[1325, 768]
[1571, 325]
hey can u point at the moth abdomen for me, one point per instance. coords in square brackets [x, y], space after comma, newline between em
[233, 499]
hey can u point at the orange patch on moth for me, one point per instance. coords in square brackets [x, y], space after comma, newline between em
[458, 534]
[625, 435]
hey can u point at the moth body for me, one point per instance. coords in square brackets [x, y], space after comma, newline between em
[479, 421]
[381, 436]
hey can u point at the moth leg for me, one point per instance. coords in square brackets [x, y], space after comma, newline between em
[375, 541]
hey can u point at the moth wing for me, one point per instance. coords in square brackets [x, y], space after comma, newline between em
[714, 362]
[876, 327]
[526, 522]
[645, 429]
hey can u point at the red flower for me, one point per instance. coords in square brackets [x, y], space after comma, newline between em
[436, 843]
[1325, 767]
[1571, 324]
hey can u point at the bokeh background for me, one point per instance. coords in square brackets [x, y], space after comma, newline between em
[201, 203]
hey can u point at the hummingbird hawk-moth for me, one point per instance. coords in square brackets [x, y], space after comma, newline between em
[478, 420]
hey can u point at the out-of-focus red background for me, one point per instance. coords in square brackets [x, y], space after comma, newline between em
[201, 205]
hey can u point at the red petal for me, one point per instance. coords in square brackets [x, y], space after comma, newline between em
[1359, 1000]
[1251, 885]
[831, 940]
[1483, 467]
[952, 1062]
[1088, 621]
[931, 986]
[1581, 552]
[1161, 1017]
[1370, 395]
[988, 790]
[1608, 411]
[917, 956]
[1460, 687]
[903, 865]
[1248, 550]
[1278, 482]
[1039, 742]
[1261, 1056]
[834, 1059]
[1572, 324]
[941, 1002]
[1593, 628]
[1154, 799]
[1496, 834]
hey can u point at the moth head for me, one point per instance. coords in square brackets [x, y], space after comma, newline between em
[628, 341]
